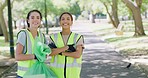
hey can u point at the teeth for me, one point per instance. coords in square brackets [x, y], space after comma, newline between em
[65, 24]
[35, 23]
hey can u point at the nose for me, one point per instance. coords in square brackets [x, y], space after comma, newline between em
[36, 19]
[65, 21]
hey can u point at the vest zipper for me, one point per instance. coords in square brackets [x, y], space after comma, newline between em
[65, 67]
[65, 56]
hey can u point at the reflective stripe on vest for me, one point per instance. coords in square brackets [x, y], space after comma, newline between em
[69, 65]
[22, 68]
[23, 65]
[29, 46]
[74, 64]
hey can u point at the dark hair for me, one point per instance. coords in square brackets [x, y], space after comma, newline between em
[65, 13]
[30, 13]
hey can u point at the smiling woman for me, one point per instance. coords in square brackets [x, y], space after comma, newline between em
[25, 42]
[67, 49]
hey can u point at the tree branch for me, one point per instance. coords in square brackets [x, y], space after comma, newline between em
[110, 16]
[129, 4]
[3, 5]
[139, 3]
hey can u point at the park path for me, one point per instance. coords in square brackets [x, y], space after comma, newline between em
[100, 60]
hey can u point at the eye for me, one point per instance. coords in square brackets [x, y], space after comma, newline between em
[38, 17]
[68, 18]
[32, 17]
[63, 19]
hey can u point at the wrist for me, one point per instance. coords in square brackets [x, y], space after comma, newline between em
[66, 47]
[62, 53]
[35, 57]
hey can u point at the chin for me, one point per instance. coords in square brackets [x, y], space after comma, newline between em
[66, 27]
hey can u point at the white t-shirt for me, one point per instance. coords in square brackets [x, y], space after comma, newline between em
[22, 40]
[22, 36]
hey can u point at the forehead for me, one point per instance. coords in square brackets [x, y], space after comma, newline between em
[65, 15]
[34, 14]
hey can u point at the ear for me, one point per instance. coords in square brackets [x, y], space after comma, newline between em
[39, 26]
[71, 23]
[60, 23]
[27, 21]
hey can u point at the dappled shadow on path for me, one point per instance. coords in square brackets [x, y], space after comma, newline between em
[100, 60]
[107, 64]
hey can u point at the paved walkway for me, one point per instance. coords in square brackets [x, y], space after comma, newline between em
[100, 60]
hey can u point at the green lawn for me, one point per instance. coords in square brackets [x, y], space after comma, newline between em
[5, 44]
[126, 43]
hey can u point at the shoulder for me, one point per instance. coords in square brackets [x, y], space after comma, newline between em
[22, 32]
[78, 35]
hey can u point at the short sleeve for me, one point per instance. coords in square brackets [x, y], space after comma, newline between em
[21, 38]
[50, 40]
[80, 41]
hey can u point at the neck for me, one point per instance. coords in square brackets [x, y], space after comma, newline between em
[66, 32]
[33, 32]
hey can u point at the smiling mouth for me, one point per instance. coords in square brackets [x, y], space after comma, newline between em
[65, 24]
[35, 23]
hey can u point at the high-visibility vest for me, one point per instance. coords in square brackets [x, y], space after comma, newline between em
[64, 66]
[23, 66]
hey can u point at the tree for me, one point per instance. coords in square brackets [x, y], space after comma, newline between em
[92, 6]
[74, 7]
[113, 15]
[3, 21]
[1, 33]
[115, 12]
[3, 26]
[135, 8]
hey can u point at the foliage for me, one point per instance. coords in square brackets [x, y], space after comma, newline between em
[93, 6]
[144, 6]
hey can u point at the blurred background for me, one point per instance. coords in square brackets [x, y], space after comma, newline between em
[123, 15]
[127, 19]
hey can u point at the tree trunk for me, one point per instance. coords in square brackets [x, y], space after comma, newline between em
[135, 8]
[110, 16]
[1, 32]
[139, 30]
[92, 18]
[115, 12]
[3, 26]
[146, 14]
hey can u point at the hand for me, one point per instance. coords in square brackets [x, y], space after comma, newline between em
[71, 48]
[60, 53]
[35, 57]
[65, 49]
[52, 45]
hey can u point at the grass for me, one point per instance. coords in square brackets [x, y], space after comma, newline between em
[126, 43]
[5, 44]
[135, 52]
[5, 53]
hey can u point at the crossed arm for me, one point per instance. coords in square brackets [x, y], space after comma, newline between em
[76, 54]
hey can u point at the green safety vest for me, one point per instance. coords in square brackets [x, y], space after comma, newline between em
[64, 66]
[23, 66]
